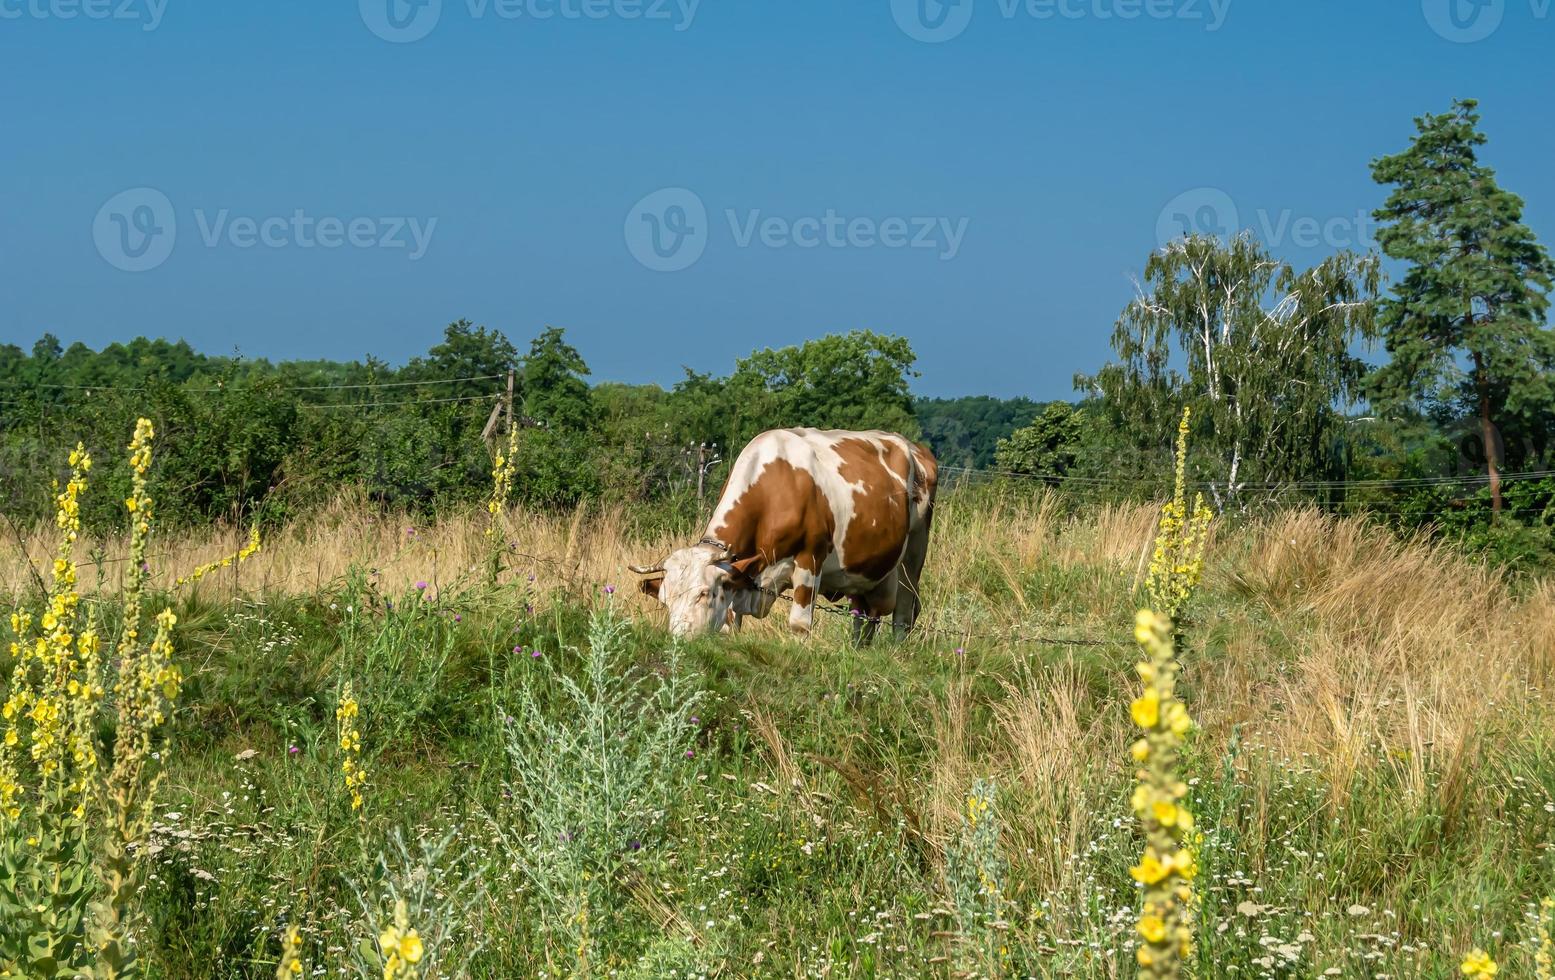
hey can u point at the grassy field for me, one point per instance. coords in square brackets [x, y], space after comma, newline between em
[554, 789]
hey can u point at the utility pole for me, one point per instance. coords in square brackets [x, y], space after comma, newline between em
[504, 404]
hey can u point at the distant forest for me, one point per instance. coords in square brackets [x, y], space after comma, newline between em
[246, 435]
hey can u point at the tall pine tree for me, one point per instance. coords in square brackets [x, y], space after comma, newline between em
[1466, 324]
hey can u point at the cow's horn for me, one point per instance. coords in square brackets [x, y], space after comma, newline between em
[646, 570]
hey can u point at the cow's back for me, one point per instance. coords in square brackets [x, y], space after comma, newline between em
[860, 496]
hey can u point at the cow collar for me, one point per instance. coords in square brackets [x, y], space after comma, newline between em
[714, 542]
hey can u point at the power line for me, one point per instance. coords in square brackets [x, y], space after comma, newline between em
[325, 406]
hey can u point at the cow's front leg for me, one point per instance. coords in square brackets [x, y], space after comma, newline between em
[801, 618]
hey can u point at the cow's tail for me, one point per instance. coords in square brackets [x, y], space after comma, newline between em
[923, 483]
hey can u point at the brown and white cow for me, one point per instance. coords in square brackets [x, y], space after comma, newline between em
[827, 512]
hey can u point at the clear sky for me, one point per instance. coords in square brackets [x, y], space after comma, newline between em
[677, 183]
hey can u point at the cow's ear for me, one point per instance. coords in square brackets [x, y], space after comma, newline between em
[745, 570]
[650, 586]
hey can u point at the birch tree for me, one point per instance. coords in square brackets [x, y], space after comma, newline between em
[1262, 353]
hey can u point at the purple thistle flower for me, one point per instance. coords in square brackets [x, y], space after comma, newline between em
[610, 590]
[535, 653]
[421, 586]
[292, 750]
[690, 754]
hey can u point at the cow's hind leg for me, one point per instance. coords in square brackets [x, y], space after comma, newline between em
[908, 574]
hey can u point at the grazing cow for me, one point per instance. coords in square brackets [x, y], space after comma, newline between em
[827, 512]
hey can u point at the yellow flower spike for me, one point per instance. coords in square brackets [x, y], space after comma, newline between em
[290, 966]
[1168, 866]
[242, 555]
[1178, 559]
[350, 741]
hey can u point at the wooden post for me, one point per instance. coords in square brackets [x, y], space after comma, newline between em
[504, 406]
[701, 469]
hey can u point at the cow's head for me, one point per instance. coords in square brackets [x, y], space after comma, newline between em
[700, 585]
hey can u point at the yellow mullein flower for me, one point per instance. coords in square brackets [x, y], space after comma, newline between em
[1478, 965]
[400, 946]
[1146, 709]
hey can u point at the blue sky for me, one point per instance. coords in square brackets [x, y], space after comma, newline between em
[984, 178]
